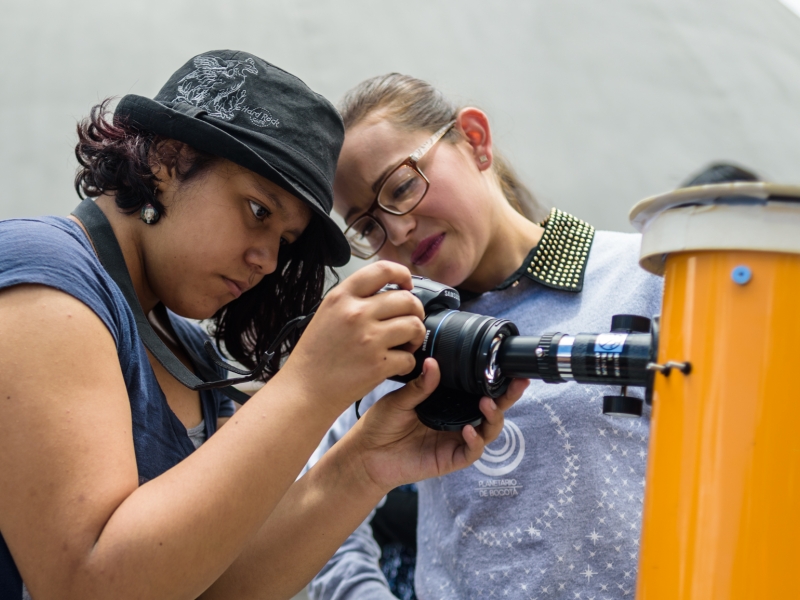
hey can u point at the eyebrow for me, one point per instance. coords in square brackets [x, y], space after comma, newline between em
[350, 213]
[271, 195]
[374, 189]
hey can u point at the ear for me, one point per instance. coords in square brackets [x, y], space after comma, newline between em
[474, 124]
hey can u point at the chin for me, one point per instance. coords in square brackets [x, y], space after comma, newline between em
[202, 315]
[447, 273]
[454, 282]
[446, 268]
[196, 310]
[444, 276]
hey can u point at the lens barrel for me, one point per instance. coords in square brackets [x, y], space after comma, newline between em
[600, 358]
[478, 355]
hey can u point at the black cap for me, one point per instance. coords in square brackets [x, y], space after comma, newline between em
[239, 107]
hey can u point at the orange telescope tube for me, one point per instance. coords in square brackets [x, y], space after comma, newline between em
[722, 499]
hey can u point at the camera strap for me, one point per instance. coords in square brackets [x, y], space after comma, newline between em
[110, 254]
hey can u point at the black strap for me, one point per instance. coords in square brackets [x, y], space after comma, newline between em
[110, 254]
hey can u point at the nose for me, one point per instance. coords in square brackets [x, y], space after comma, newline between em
[398, 227]
[263, 258]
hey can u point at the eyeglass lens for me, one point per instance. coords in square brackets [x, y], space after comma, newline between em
[399, 194]
[366, 236]
[402, 191]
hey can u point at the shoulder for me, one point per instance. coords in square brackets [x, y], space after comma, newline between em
[616, 250]
[53, 238]
[49, 245]
[613, 269]
[54, 252]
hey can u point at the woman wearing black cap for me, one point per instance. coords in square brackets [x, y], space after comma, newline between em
[212, 201]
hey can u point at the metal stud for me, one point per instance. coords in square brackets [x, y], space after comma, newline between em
[561, 256]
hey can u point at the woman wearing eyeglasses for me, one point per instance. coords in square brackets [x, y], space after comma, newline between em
[553, 508]
[118, 478]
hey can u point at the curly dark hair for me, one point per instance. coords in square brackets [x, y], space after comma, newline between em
[117, 157]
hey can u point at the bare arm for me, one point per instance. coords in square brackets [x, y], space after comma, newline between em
[315, 516]
[326, 505]
[71, 511]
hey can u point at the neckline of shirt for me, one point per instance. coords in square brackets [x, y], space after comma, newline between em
[558, 261]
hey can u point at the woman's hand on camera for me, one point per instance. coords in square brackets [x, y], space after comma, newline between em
[396, 448]
[357, 339]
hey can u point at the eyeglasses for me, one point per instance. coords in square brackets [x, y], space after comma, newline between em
[399, 193]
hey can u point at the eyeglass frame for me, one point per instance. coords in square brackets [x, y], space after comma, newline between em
[411, 161]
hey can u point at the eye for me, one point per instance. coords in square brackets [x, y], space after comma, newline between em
[367, 228]
[405, 189]
[259, 212]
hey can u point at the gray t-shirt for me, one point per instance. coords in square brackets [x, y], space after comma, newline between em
[553, 507]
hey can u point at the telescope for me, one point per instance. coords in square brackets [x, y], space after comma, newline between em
[479, 355]
[721, 518]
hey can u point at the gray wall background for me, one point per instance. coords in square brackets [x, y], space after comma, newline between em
[597, 104]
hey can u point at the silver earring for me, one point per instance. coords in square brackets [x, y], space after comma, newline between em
[483, 158]
[149, 213]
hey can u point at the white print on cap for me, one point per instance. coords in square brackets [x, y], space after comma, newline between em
[217, 85]
[501, 461]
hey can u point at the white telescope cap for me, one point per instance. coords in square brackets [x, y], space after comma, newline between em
[724, 216]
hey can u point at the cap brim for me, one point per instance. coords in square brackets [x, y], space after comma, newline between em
[205, 136]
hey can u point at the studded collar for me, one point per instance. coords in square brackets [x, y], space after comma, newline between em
[558, 261]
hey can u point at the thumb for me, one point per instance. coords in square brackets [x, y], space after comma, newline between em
[417, 390]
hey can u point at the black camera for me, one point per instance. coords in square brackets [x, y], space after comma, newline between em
[479, 355]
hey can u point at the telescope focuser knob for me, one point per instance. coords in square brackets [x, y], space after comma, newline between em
[622, 406]
[630, 324]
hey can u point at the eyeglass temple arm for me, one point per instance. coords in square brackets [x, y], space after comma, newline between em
[420, 152]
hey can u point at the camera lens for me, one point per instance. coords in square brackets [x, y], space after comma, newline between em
[465, 346]
[461, 343]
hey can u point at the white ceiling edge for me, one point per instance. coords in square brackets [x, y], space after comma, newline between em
[792, 5]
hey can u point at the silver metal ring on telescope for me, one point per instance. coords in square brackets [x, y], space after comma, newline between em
[564, 356]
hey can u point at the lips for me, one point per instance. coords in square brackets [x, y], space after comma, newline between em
[237, 288]
[427, 249]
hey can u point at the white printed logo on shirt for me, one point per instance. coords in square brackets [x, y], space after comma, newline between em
[505, 454]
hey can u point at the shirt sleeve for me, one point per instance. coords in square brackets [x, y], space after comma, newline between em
[353, 572]
[47, 253]
[226, 408]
